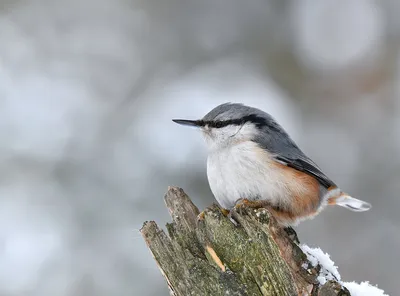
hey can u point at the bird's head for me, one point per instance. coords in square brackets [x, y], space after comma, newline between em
[229, 124]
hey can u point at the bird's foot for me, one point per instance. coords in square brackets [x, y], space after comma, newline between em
[246, 203]
[242, 204]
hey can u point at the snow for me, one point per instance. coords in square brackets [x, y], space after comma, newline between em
[328, 269]
[363, 289]
[330, 272]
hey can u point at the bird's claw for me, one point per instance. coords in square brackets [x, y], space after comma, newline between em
[245, 203]
[238, 207]
[241, 204]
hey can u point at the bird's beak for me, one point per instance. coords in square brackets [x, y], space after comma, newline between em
[196, 123]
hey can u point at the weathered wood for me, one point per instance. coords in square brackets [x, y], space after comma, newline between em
[207, 254]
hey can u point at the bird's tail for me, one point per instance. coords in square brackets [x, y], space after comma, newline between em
[351, 203]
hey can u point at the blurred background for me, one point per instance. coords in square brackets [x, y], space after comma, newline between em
[87, 92]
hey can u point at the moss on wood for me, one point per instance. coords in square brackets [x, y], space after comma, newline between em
[207, 254]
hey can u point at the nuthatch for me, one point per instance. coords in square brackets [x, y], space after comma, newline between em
[252, 161]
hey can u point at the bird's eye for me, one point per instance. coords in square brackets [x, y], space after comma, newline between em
[218, 124]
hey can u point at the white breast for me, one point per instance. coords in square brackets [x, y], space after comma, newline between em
[245, 171]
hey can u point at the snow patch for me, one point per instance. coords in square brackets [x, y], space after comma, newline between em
[330, 272]
[363, 289]
[328, 269]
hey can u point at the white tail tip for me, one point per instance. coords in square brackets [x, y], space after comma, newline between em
[353, 204]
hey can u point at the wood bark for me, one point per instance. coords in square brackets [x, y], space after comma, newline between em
[208, 254]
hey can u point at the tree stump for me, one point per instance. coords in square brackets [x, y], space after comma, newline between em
[208, 254]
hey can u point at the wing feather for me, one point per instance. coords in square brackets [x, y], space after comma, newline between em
[308, 167]
[275, 140]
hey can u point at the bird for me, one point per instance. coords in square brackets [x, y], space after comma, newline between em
[252, 161]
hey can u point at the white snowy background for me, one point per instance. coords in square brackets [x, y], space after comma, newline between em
[87, 92]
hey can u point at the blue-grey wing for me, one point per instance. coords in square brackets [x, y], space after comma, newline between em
[281, 146]
[307, 166]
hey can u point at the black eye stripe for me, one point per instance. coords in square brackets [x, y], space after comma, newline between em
[256, 120]
[221, 123]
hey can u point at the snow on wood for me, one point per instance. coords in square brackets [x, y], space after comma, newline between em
[329, 272]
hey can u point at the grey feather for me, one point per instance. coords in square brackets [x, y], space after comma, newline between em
[228, 111]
